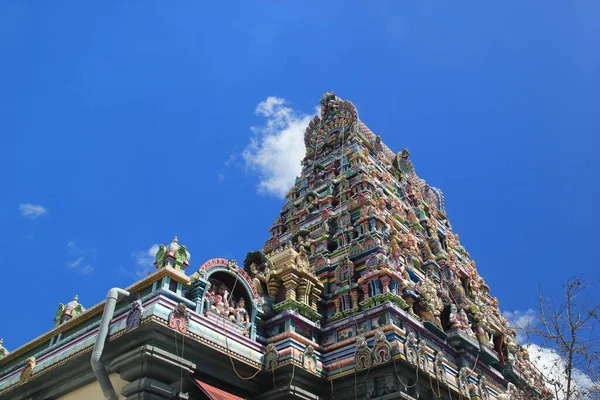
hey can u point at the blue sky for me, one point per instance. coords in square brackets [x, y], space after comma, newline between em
[129, 124]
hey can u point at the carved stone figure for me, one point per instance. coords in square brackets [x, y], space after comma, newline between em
[309, 361]
[511, 393]
[431, 305]
[362, 358]
[411, 348]
[409, 244]
[482, 386]
[422, 355]
[463, 381]
[382, 352]
[301, 260]
[241, 314]
[27, 370]
[271, 357]
[134, 316]
[259, 268]
[438, 367]
[66, 312]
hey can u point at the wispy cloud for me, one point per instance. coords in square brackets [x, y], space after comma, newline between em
[76, 263]
[32, 211]
[277, 148]
[88, 269]
[144, 261]
[80, 255]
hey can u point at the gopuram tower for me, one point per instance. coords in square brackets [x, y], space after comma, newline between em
[362, 291]
[365, 274]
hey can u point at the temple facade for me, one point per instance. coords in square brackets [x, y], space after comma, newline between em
[362, 291]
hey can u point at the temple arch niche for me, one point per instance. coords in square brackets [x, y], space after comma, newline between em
[229, 298]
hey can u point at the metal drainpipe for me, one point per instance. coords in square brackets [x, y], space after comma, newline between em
[113, 295]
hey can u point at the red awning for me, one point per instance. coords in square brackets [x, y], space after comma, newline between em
[214, 393]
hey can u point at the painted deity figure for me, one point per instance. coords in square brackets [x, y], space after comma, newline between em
[262, 276]
[209, 300]
[241, 314]
[409, 244]
[431, 305]
[66, 312]
[301, 259]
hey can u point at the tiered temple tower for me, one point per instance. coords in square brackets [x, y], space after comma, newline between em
[361, 291]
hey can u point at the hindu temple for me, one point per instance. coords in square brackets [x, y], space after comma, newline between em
[361, 291]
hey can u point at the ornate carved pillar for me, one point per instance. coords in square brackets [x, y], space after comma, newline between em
[365, 289]
[385, 282]
[337, 303]
[290, 282]
[354, 294]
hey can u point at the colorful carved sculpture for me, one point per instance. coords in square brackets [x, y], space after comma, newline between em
[309, 359]
[68, 311]
[362, 357]
[271, 357]
[463, 381]
[411, 349]
[438, 367]
[134, 316]
[174, 255]
[382, 352]
[179, 318]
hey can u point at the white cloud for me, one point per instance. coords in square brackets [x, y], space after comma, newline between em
[276, 150]
[76, 263]
[547, 361]
[32, 211]
[88, 269]
[144, 260]
[553, 367]
[521, 321]
[81, 255]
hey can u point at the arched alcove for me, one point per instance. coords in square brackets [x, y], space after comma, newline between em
[221, 301]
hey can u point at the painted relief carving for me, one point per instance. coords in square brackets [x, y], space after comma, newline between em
[134, 316]
[179, 318]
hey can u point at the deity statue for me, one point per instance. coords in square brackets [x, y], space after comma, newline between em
[27, 370]
[301, 259]
[66, 312]
[459, 320]
[409, 244]
[311, 204]
[260, 269]
[412, 217]
[452, 240]
[426, 253]
[241, 314]
[430, 306]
